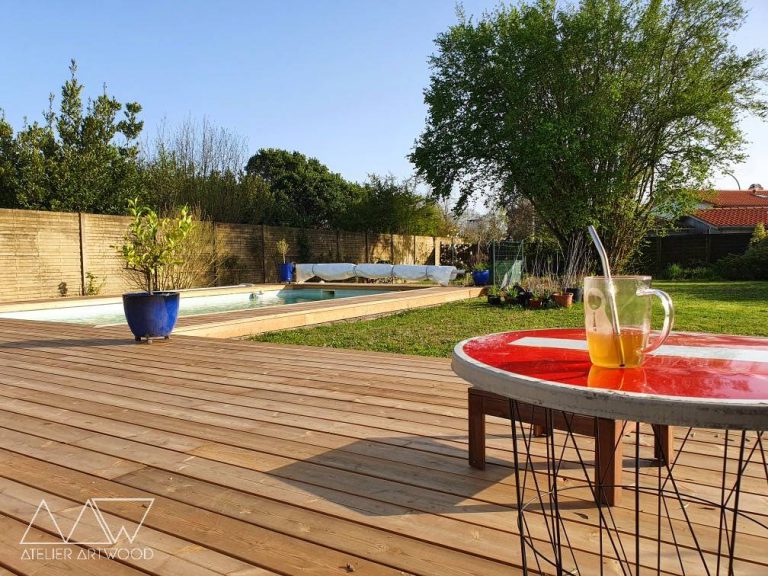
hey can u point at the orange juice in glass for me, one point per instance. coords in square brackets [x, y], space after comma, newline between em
[633, 310]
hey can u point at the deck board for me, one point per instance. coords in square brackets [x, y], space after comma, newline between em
[269, 459]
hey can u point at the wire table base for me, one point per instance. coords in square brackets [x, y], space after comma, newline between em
[667, 521]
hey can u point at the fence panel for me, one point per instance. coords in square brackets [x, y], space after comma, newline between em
[689, 250]
[101, 236]
[353, 247]
[238, 248]
[41, 252]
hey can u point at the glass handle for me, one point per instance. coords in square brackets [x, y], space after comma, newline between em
[669, 316]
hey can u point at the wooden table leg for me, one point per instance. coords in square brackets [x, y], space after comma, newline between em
[608, 460]
[476, 421]
[663, 444]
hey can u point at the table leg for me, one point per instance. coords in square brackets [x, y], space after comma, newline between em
[608, 460]
[663, 444]
[476, 422]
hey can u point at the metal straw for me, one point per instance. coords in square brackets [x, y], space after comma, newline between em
[611, 291]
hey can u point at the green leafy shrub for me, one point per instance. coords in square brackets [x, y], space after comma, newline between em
[93, 286]
[701, 273]
[753, 265]
[695, 272]
[674, 272]
[758, 235]
[153, 243]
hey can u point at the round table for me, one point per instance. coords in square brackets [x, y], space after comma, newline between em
[691, 507]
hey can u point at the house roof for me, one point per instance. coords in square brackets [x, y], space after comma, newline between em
[734, 198]
[733, 217]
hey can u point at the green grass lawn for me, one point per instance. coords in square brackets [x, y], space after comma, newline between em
[724, 307]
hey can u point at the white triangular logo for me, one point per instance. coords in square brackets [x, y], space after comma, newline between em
[93, 531]
[122, 530]
[42, 506]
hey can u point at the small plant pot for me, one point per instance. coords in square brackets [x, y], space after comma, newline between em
[285, 272]
[563, 300]
[151, 315]
[522, 299]
[577, 294]
[535, 303]
[481, 277]
[494, 300]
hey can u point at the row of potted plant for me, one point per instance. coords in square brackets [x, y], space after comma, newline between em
[533, 298]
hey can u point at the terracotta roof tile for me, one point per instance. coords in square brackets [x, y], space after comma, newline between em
[733, 198]
[735, 217]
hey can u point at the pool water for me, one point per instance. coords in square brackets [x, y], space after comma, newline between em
[190, 305]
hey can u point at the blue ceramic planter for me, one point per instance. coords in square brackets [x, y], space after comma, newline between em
[151, 315]
[481, 277]
[285, 272]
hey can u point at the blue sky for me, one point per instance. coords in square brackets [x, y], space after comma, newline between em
[341, 80]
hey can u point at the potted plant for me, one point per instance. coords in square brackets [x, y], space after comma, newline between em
[564, 300]
[481, 276]
[517, 295]
[494, 295]
[577, 294]
[536, 301]
[284, 270]
[151, 244]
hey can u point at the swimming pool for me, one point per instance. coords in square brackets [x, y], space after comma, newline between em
[191, 304]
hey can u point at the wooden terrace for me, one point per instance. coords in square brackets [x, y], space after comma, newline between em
[261, 459]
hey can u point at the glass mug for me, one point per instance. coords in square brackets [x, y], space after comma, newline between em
[633, 307]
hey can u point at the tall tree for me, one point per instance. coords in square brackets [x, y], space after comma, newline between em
[81, 159]
[201, 165]
[306, 192]
[388, 205]
[8, 160]
[610, 112]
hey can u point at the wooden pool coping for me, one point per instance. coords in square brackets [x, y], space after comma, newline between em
[240, 323]
[271, 318]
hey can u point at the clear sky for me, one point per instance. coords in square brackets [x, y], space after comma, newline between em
[341, 80]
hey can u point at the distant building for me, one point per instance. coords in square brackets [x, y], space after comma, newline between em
[729, 211]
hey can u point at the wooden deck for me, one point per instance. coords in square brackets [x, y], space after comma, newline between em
[261, 459]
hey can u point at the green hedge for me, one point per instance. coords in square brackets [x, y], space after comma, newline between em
[753, 265]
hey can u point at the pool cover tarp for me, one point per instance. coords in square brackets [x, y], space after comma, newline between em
[409, 272]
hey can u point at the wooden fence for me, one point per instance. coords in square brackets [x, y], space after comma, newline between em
[51, 254]
[689, 250]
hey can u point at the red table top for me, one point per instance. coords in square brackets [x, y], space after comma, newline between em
[694, 366]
